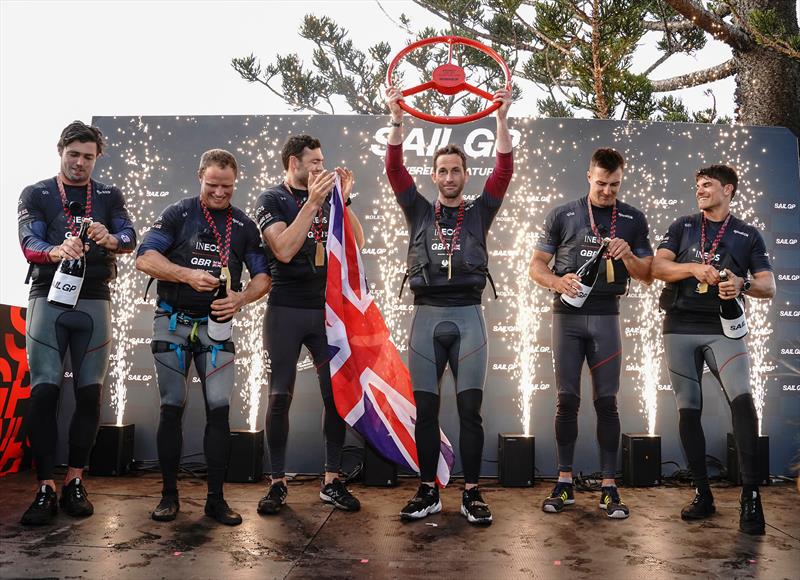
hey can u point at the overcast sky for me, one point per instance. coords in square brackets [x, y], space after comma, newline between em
[73, 60]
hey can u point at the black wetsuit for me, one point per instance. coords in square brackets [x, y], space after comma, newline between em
[592, 332]
[86, 329]
[296, 318]
[183, 236]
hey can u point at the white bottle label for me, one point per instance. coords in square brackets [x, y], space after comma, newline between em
[577, 302]
[220, 331]
[734, 328]
[65, 289]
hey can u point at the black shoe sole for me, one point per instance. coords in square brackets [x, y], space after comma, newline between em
[49, 520]
[758, 531]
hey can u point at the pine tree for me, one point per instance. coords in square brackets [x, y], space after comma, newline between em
[578, 51]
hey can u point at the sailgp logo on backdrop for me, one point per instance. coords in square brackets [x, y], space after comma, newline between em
[424, 142]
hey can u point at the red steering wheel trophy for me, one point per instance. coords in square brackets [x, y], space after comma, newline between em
[449, 79]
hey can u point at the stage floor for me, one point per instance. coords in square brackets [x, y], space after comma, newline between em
[310, 540]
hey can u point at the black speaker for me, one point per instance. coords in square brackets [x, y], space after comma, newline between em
[378, 472]
[516, 455]
[641, 459]
[112, 453]
[247, 456]
[735, 473]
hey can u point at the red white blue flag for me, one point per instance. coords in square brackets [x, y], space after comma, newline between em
[371, 384]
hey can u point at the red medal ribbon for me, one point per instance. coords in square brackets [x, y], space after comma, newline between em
[87, 210]
[456, 233]
[595, 231]
[316, 227]
[224, 249]
[713, 249]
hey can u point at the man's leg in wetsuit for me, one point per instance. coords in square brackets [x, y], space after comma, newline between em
[569, 339]
[284, 329]
[471, 354]
[604, 357]
[334, 427]
[173, 355]
[728, 360]
[685, 362]
[215, 367]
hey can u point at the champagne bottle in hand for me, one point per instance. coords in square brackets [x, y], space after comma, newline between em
[588, 276]
[731, 314]
[68, 280]
[220, 331]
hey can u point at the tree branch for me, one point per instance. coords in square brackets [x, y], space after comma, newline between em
[682, 25]
[478, 33]
[700, 77]
[709, 21]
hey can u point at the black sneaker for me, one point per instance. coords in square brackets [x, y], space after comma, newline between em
[474, 508]
[336, 493]
[167, 509]
[751, 515]
[702, 507]
[43, 510]
[611, 502]
[74, 499]
[219, 509]
[273, 502]
[563, 494]
[425, 502]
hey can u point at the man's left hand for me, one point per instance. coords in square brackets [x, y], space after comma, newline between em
[225, 308]
[101, 236]
[348, 179]
[731, 288]
[618, 249]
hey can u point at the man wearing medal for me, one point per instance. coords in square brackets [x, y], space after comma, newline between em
[447, 271]
[190, 245]
[689, 259]
[572, 234]
[50, 214]
[293, 218]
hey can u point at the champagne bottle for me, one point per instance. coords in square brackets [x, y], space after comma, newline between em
[220, 331]
[68, 280]
[731, 314]
[588, 276]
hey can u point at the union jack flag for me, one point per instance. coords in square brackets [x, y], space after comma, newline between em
[371, 384]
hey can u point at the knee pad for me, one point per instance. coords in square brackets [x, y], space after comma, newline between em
[606, 408]
[218, 416]
[171, 413]
[427, 408]
[279, 404]
[567, 406]
[44, 397]
[469, 404]
[88, 397]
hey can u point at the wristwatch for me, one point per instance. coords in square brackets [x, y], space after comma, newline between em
[746, 285]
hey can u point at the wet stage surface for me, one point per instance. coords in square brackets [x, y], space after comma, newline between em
[310, 540]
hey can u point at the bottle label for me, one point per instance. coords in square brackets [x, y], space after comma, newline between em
[65, 289]
[734, 328]
[577, 302]
[219, 331]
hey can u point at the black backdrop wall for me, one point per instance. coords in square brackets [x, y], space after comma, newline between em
[154, 160]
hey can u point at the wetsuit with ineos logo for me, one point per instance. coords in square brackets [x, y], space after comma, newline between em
[592, 332]
[185, 237]
[693, 336]
[85, 329]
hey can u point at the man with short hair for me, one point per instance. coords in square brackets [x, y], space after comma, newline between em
[192, 244]
[572, 234]
[50, 216]
[293, 217]
[689, 259]
[448, 268]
